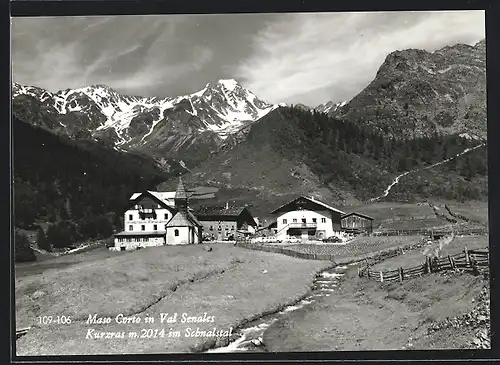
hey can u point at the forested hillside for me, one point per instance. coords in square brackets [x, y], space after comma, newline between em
[293, 151]
[80, 188]
[332, 148]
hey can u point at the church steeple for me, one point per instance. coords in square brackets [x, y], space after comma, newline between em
[181, 199]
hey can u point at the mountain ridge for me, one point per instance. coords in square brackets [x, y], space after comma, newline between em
[416, 93]
[128, 122]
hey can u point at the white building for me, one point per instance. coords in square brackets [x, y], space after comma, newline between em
[183, 228]
[150, 221]
[308, 219]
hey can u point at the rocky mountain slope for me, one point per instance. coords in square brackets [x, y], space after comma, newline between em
[292, 151]
[329, 107]
[433, 104]
[190, 125]
[415, 93]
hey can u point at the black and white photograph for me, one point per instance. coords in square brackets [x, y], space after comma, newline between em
[253, 182]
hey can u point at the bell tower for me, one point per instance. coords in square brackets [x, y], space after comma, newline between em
[181, 199]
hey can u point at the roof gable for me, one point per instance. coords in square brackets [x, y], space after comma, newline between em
[180, 220]
[226, 213]
[136, 197]
[358, 214]
[306, 200]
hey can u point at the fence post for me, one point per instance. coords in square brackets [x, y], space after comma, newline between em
[381, 277]
[427, 265]
[401, 277]
[451, 261]
[474, 266]
[467, 259]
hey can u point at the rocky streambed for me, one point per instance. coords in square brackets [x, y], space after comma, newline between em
[249, 337]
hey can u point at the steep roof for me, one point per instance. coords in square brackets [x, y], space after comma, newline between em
[312, 200]
[194, 219]
[180, 193]
[181, 219]
[358, 214]
[164, 197]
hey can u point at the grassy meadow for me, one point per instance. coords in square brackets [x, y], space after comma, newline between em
[229, 283]
[444, 247]
[366, 315]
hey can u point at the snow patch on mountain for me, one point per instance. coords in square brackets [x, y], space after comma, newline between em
[229, 84]
[329, 106]
[222, 107]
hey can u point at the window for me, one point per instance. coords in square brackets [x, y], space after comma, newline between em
[159, 206]
[294, 220]
[155, 227]
[176, 233]
[323, 220]
[130, 227]
[314, 220]
[284, 221]
[130, 217]
[143, 227]
[129, 239]
[211, 228]
[166, 215]
[137, 239]
[219, 229]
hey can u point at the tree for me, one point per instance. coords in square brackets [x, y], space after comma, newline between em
[59, 235]
[22, 248]
[63, 213]
[104, 227]
[42, 241]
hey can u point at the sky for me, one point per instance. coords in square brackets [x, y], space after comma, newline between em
[307, 58]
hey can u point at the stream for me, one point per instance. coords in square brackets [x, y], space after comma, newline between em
[249, 337]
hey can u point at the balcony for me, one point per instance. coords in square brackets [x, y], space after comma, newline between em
[303, 225]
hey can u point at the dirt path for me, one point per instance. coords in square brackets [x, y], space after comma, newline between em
[396, 180]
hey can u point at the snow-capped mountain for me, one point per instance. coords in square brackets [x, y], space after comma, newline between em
[329, 106]
[222, 107]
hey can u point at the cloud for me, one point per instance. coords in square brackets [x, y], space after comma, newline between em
[312, 58]
[308, 58]
[131, 54]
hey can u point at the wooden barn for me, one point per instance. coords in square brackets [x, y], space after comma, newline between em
[356, 223]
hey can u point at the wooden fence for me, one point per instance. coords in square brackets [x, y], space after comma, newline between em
[476, 261]
[374, 257]
[430, 232]
[286, 251]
